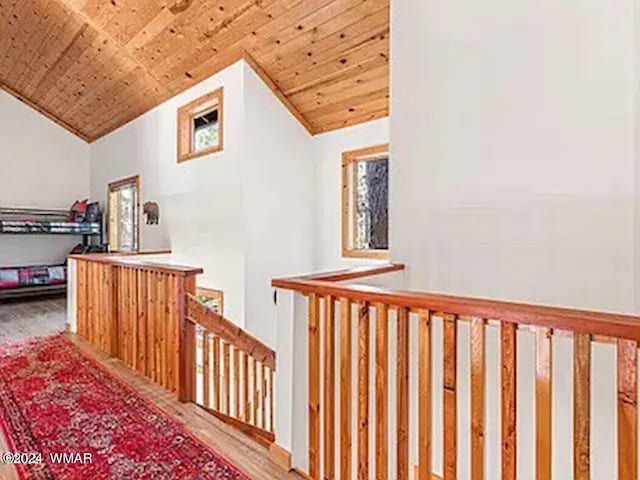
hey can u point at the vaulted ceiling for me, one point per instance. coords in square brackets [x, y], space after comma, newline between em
[94, 65]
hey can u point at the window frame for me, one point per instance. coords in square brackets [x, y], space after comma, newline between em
[187, 113]
[348, 201]
[213, 294]
[116, 185]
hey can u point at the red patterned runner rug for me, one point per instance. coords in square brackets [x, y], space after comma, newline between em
[54, 399]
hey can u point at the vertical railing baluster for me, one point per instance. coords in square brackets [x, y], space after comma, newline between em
[256, 392]
[263, 398]
[581, 405]
[226, 360]
[382, 390]
[345, 388]
[272, 404]
[508, 407]
[543, 403]
[251, 394]
[329, 391]
[314, 387]
[236, 383]
[206, 369]
[424, 396]
[627, 410]
[450, 413]
[363, 391]
[402, 390]
[217, 398]
[477, 397]
[245, 388]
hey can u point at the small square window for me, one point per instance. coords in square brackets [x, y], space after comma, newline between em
[200, 127]
[365, 203]
[206, 131]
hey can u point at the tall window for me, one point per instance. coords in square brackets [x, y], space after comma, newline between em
[123, 214]
[200, 126]
[365, 202]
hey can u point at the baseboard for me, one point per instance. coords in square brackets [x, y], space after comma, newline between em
[263, 437]
[280, 456]
[283, 459]
[306, 476]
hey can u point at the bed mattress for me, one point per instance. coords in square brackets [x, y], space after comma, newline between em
[16, 277]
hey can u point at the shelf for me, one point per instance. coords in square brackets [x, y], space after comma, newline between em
[30, 227]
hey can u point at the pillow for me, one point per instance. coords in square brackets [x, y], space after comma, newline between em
[78, 211]
[93, 212]
[57, 275]
[9, 278]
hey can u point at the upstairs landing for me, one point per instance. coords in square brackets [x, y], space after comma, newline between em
[36, 318]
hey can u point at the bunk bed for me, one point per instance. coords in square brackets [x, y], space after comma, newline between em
[26, 281]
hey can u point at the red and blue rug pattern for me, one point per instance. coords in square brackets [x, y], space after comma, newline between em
[55, 399]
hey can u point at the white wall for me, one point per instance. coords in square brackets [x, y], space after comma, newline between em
[244, 214]
[513, 137]
[512, 134]
[42, 166]
[278, 165]
[201, 200]
[328, 188]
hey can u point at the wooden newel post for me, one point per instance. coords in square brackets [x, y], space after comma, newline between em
[186, 343]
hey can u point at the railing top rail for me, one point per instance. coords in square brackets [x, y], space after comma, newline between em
[134, 261]
[352, 273]
[229, 332]
[574, 320]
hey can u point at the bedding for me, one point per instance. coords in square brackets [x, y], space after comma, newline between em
[15, 277]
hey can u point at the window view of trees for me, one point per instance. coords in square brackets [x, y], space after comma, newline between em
[372, 204]
[205, 131]
[365, 202]
[126, 226]
[123, 217]
[201, 126]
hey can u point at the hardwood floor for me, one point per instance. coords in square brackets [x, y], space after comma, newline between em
[38, 318]
[25, 319]
[32, 318]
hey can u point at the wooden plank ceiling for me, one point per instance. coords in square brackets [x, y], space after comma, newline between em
[94, 65]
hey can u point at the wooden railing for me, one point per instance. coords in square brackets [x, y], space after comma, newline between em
[235, 373]
[147, 315]
[135, 311]
[336, 310]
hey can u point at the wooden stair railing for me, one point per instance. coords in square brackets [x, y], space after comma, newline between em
[363, 311]
[235, 373]
[147, 315]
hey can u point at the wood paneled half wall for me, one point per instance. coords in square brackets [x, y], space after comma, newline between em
[135, 311]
